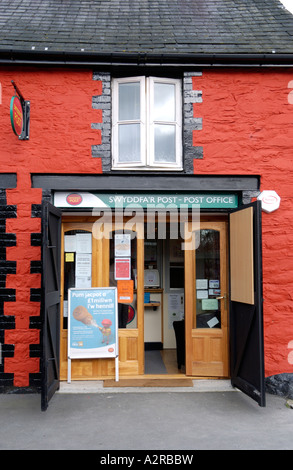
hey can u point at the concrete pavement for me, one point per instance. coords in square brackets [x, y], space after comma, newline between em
[210, 416]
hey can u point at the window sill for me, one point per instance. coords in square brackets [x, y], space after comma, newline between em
[153, 168]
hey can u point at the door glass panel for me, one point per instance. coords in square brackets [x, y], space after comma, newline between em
[77, 264]
[208, 282]
[121, 250]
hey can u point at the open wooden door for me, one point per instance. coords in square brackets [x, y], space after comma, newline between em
[246, 313]
[51, 248]
[100, 232]
[206, 325]
[131, 340]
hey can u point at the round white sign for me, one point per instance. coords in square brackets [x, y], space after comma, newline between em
[270, 201]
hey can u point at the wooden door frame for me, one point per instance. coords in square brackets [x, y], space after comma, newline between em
[190, 296]
[139, 229]
[68, 224]
[100, 278]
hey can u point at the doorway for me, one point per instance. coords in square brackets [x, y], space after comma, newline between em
[194, 281]
[86, 261]
[164, 310]
[177, 323]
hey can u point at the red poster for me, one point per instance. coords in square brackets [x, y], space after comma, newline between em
[122, 268]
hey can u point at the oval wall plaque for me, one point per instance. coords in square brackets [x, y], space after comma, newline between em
[16, 115]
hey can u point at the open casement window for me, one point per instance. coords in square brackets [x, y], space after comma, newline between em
[147, 123]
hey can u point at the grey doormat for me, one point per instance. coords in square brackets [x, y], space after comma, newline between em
[154, 363]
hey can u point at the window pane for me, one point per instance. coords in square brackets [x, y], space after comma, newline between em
[165, 143]
[164, 105]
[129, 101]
[129, 143]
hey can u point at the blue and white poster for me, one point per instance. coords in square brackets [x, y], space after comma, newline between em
[92, 323]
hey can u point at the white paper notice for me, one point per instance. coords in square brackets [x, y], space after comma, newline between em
[202, 294]
[83, 266]
[175, 308]
[65, 309]
[122, 245]
[214, 284]
[214, 291]
[213, 322]
[83, 282]
[201, 283]
[70, 243]
[84, 242]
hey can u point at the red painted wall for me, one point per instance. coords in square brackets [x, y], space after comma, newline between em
[248, 129]
[60, 142]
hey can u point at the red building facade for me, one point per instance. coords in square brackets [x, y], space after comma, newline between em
[237, 122]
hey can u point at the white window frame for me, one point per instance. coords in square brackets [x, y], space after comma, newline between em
[147, 124]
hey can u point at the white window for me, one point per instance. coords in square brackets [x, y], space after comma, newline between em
[146, 118]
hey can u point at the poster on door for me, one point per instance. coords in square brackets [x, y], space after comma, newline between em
[122, 269]
[175, 308]
[92, 323]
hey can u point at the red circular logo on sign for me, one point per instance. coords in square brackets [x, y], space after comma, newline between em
[16, 115]
[74, 199]
[270, 199]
